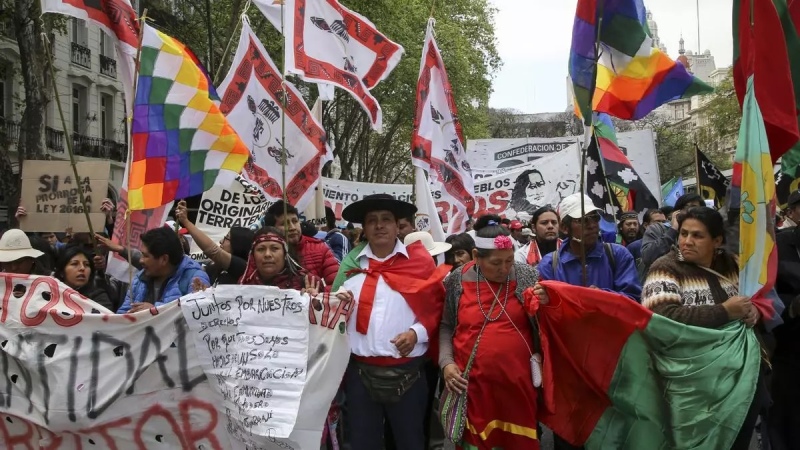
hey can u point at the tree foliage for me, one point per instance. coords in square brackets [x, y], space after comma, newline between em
[466, 37]
[722, 118]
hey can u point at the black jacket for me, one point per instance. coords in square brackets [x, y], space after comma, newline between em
[787, 286]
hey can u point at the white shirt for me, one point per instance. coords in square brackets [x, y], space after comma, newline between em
[390, 315]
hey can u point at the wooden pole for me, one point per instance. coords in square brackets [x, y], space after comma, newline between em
[283, 124]
[130, 145]
[67, 137]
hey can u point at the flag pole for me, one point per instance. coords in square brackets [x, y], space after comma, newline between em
[224, 57]
[587, 135]
[136, 62]
[67, 137]
[283, 125]
[698, 187]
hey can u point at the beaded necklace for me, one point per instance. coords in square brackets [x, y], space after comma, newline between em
[496, 296]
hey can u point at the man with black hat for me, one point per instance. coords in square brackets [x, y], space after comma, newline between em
[792, 211]
[399, 300]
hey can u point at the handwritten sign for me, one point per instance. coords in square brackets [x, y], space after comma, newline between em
[75, 376]
[253, 344]
[51, 195]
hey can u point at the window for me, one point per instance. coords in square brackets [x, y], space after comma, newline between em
[80, 34]
[106, 45]
[106, 116]
[79, 110]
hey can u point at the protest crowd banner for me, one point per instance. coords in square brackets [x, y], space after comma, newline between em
[238, 205]
[50, 193]
[76, 376]
[489, 157]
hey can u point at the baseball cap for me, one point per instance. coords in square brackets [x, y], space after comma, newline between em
[794, 198]
[570, 206]
[527, 232]
[516, 225]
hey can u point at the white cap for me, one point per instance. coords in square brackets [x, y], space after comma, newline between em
[527, 232]
[15, 245]
[434, 248]
[570, 206]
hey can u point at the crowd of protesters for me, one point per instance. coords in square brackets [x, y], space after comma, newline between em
[466, 300]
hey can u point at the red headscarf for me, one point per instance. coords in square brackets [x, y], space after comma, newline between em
[291, 277]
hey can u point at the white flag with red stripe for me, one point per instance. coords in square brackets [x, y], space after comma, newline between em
[252, 96]
[330, 44]
[437, 144]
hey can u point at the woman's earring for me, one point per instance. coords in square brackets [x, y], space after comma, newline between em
[719, 251]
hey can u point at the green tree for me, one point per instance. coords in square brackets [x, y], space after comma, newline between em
[24, 21]
[721, 117]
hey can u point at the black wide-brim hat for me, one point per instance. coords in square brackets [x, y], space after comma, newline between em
[356, 212]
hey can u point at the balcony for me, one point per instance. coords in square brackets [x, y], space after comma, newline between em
[99, 148]
[81, 55]
[108, 66]
[9, 132]
[54, 139]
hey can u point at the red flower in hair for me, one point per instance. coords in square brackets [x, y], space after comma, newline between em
[503, 242]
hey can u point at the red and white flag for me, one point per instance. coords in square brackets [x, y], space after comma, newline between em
[117, 19]
[252, 96]
[330, 44]
[437, 144]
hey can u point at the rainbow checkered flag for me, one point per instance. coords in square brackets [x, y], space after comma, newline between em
[182, 144]
[630, 77]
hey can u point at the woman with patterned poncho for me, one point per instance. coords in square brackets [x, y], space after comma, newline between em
[697, 283]
[484, 298]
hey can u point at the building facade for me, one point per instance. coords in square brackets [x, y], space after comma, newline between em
[91, 96]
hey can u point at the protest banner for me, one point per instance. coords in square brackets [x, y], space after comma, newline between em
[75, 376]
[340, 193]
[239, 205]
[255, 351]
[489, 157]
[51, 195]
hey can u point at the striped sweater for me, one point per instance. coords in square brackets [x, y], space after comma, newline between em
[690, 294]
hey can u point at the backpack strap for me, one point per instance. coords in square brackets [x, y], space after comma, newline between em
[610, 254]
[555, 261]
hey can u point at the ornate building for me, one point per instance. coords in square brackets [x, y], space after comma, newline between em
[91, 97]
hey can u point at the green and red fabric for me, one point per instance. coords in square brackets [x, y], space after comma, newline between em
[618, 376]
[766, 44]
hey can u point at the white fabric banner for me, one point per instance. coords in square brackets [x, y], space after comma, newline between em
[252, 98]
[239, 205]
[75, 376]
[493, 156]
[521, 190]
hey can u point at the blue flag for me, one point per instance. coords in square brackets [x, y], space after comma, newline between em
[672, 190]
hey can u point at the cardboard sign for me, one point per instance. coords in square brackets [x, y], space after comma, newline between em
[76, 376]
[50, 193]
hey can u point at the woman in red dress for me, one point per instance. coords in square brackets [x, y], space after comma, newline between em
[484, 298]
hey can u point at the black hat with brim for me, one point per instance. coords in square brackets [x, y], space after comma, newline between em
[356, 212]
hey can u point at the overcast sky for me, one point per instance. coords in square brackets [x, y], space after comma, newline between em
[534, 38]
